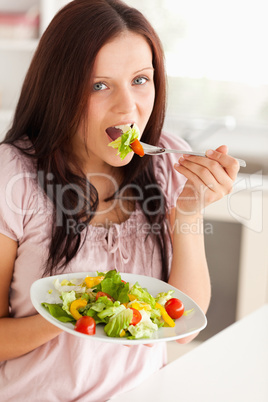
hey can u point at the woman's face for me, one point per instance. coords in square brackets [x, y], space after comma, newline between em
[122, 93]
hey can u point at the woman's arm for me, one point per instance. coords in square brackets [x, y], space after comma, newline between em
[189, 270]
[209, 179]
[18, 335]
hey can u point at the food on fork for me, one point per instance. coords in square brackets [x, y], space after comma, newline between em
[137, 148]
[127, 140]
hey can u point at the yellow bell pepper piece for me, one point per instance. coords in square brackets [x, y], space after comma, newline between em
[75, 305]
[140, 306]
[136, 305]
[132, 297]
[122, 333]
[165, 315]
[92, 281]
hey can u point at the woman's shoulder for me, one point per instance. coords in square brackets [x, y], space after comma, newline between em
[18, 186]
[17, 171]
[13, 160]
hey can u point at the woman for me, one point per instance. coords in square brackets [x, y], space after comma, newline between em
[72, 205]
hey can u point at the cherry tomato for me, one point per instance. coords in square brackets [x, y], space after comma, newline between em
[86, 325]
[136, 316]
[175, 308]
[102, 294]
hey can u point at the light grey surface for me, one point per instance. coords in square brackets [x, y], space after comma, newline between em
[231, 366]
[223, 254]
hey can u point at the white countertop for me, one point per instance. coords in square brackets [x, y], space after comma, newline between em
[232, 366]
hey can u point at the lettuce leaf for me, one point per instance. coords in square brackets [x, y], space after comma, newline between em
[103, 308]
[144, 329]
[112, 285]
[101, 304]
[111, 311]
[163, 297]
[155, 315]
[57, 311]
[118, 322]
[142, 294]
[68, 298]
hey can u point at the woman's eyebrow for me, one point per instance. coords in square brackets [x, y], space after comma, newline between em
[136, 72]
[145, 68]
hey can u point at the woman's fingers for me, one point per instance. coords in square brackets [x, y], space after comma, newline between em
[229, 163]
[210, 178]
[223, 149]
[217, 162]
[199, 175]
[209, 172]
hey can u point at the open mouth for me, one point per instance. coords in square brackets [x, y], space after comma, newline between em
[117, 131]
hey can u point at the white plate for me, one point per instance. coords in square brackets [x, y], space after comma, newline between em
[185, 325]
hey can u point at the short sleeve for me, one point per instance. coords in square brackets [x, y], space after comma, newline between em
[16, 192]
[171, 181]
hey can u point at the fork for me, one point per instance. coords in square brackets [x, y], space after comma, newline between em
[153, 150]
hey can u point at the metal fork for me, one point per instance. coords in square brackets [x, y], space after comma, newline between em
[153, 150]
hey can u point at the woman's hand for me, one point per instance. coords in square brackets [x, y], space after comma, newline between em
[209, 179]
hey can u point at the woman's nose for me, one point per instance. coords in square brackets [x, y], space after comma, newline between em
[124, 101]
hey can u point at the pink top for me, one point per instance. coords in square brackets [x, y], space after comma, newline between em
[69, 368]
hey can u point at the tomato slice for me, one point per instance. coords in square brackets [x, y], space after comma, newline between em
[136, 316]
[102, 294]
[86, 325]
[175, 308]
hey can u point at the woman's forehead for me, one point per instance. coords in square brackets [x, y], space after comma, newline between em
[126, 52]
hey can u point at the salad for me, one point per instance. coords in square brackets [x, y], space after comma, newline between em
[127, 140]
[124, 310]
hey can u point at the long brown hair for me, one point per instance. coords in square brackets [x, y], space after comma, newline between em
[53, 102]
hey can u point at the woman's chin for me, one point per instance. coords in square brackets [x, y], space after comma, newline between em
[116, 161]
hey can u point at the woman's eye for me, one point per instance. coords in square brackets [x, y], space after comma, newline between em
[99, 86]
[140, 80]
